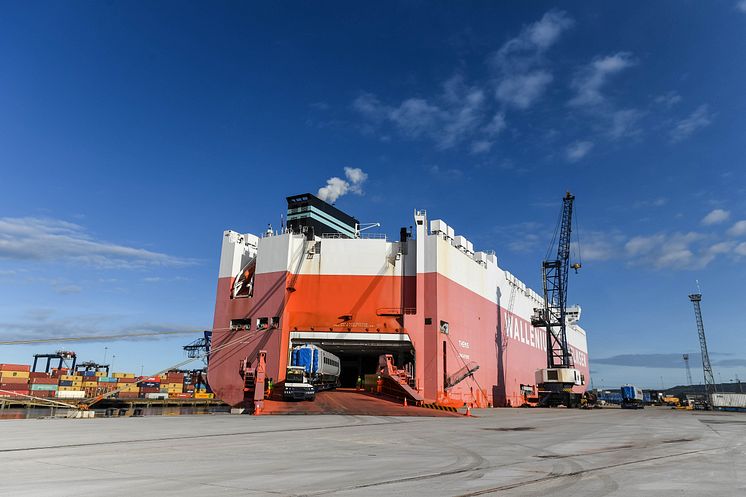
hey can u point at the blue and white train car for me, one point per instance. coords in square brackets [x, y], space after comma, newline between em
[322, 367]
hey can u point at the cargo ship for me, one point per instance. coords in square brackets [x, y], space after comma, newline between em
[447, 314]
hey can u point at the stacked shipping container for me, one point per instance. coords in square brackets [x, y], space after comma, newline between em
[17, 380]
[14, 380]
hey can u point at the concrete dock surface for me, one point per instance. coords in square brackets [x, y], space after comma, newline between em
[522, 452]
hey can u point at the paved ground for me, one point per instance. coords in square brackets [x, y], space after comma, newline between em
[349, 401]
[523, 452]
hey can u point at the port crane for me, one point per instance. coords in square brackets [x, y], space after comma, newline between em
[556, 381]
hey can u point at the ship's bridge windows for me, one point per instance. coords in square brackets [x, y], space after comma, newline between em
[428, 321]
[240, 324]
[275, 322]
[262, 323]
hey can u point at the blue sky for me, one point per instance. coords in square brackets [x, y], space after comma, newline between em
[133, 134]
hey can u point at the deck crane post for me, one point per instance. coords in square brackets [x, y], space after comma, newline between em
[556, 381]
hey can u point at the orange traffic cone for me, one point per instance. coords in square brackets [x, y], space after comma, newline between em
[405, 402]
[468, 410]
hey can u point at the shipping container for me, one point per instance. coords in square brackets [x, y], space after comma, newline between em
[156, 395]
[729, 400]
[123, 375]
[43, 393]
[70, 394]
[15, 367]
[107, 379]
[13, 393]
[39, 374]
[13, 380]
[43, 381]
[14, 374]
[126, 380]
[90, 384]
[43, 386]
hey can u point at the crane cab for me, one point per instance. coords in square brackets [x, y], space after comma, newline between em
[565, 376]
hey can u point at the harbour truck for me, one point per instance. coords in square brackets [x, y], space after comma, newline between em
[297, 386]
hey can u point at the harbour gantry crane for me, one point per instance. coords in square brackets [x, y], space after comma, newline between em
[710, 388]
[556, 381]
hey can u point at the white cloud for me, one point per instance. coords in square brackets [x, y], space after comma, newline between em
[578, 150]
[741, 6]
[600, 246]
[48, 239]
[481, 146]
[337, 187]
[456, 115]
[535, 39]
[490, 131]
[67, 289]
[679, 251]
[522, 80]
[446, 173]
[646, 204]
[740, 249]
[49, 323]
[715, 216]
[624, 123]
[667, 250]
[738, 229]
[590, 80]
[669, 99]
[415, 117]
[369, 106]
[496, 126]
[700, 118]
[522, 90]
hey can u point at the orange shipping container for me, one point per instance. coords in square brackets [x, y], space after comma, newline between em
[15, 367]
[43, 381]
[14, 380]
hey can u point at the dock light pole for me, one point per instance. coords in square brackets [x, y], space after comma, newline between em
[710, 388]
